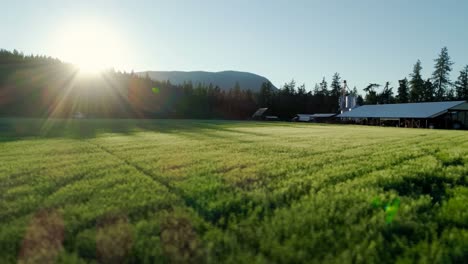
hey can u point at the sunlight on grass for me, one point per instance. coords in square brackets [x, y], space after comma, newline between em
[220, 191]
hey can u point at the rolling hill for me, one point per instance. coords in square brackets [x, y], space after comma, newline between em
[225, 79]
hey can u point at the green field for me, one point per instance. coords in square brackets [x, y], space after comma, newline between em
[238, 192]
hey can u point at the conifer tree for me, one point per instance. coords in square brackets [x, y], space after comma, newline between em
[317, 89]
[428, 91]
[441, 74]
[386, 96]
[416, 83]
[324, 87]
[461, 85]
[403, 91]
[354, 92]
[335, 86]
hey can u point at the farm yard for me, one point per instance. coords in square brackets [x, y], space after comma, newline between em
[180, 191]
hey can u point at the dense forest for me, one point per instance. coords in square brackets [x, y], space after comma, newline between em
[39, 86]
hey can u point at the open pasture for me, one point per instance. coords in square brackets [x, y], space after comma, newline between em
[224, 191]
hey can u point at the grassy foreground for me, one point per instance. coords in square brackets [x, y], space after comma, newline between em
[241, 192]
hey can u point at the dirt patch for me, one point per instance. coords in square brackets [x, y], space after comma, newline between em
[179, 240]
[114, 239]
[43, 239]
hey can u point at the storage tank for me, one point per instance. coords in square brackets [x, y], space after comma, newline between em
[350, 102]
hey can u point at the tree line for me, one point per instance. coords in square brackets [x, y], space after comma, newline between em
[438, 87]
[39, 86]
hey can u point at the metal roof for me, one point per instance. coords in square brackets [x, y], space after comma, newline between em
[462, 107]
[322, 115]
[411, 110]
[259, 112]
[316, 115]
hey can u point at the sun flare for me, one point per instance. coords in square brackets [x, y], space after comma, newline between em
[92, 47]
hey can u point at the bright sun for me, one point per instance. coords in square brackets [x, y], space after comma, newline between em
[91, 46]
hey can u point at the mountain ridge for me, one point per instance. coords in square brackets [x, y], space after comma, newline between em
[224, 79]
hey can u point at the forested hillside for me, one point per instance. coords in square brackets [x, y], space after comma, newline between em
[38, 86]
[224, 80]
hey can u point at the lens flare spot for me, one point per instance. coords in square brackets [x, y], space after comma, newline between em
[155, 90]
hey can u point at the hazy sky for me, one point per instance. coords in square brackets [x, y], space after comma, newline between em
[365, 41]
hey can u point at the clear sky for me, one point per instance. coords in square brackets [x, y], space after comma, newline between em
[364, 40]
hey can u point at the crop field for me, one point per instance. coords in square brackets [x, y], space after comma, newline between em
[181, 191]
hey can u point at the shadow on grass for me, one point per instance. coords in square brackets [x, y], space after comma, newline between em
[14, 129]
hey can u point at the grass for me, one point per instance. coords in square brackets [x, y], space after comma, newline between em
[178, 191]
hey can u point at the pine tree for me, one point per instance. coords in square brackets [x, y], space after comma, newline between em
[461, 85]
[301, 90]
[450, 94]
[289, 88]
[403, 93]
[441, 74]
[428, 92]
[354, 92]
[416, 83]
[266, 94]
[324, 87]
[335, 86]
[386, 96]
[317, 89]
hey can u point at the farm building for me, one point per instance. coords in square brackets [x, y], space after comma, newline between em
[320, 118]
[453, 114]
[302, 118]
[313, 118]
[261, 114]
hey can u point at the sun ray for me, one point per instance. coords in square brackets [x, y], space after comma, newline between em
[92, 46]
